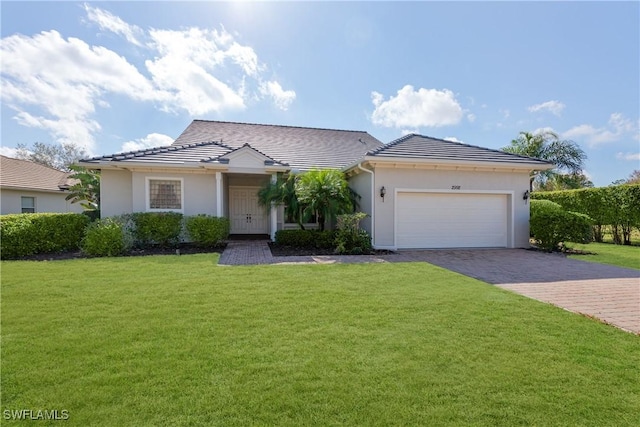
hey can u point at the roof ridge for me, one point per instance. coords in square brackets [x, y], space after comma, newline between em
[392, 143]
[280, 126]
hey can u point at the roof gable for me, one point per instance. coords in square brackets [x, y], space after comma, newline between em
[27, 175]
[246, 156]
[415, 146]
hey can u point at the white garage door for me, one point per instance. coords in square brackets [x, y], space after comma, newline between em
[444, 220]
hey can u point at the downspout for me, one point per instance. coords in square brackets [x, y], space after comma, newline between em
[373, 204]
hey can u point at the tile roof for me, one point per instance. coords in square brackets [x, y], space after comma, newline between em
[23, 174]
[423, 147]
[301, 148]
[194, 152]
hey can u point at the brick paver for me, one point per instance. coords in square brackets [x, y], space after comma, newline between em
[609, 293]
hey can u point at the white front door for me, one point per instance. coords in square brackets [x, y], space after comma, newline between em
[246, 215]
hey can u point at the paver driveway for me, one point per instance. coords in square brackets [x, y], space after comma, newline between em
[606, 292]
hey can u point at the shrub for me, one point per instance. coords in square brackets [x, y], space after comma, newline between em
[551, 225]
[305, 239]
[161, 228]
[617, 206]
[350, 238]
[207, 231]
[106, 237]
[28, 234]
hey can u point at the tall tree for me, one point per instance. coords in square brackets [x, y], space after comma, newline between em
[568, 157]
[567, 181]
[57, 156]
[86, 190]
[324, 192]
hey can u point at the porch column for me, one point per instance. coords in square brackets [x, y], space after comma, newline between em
[219, 210]
[274, 211]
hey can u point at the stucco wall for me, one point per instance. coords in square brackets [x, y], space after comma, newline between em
[361, 184]
[392, 178]
[199, 191]
[116, 196]
[11, 202]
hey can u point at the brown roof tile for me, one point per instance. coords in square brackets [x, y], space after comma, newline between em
[16, 173]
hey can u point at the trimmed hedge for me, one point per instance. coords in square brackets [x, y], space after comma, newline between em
[28, 234]
[617, 206]
[206, 230]
[551, 225]
[306, 239]
[159, 228]
[106, 237]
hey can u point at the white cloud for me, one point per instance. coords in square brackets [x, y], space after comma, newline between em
[471, 117]
[110, 22]
[554, 107]
[505, 113]
[281, 98]
[546, 129]
[150, 141]
[628, 156]
[8, 151]
[411, 108]
[453, 139]
[55, 84]
[617, 128]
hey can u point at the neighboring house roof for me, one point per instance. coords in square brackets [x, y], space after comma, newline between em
[26, 175]
[423, 147]
[296, 147]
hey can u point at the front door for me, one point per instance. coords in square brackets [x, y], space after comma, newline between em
[247, 216]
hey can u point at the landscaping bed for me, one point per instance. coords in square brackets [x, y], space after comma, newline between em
[181, 249]
[283, 250]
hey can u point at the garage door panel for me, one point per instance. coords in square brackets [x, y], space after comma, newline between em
[443, 220]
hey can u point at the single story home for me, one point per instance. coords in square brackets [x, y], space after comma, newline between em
[29, 187]
[419, 192]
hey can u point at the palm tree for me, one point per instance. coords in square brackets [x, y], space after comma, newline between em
[324, 192]
[565, 154]
[283, 192]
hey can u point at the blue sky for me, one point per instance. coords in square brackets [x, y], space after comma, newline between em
[115, 76]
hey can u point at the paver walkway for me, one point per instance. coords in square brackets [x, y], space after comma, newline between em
[606, 292]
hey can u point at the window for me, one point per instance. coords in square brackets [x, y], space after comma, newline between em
[28, 204]
[164, 194]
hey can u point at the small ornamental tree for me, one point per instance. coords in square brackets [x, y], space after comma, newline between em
[324, 192]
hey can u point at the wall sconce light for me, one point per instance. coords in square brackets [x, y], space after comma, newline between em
[525, 196]
[383, 192]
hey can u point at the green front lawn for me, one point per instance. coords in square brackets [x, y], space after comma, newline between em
[606, 253]
[170, 340]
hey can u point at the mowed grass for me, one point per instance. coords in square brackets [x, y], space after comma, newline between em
[170, 340]
[606, 253]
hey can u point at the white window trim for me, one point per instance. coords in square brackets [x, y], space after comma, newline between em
[35, 203]
[147, 194]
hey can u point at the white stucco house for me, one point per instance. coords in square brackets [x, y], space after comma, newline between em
[28, 187]
[419, 192]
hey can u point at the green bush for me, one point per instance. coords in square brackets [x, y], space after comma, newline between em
[207, 231]
[106, 237]
[617, 206]
[159, 228]
[350, 238]
[28, 234]
[551, 225]
[305, 239]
